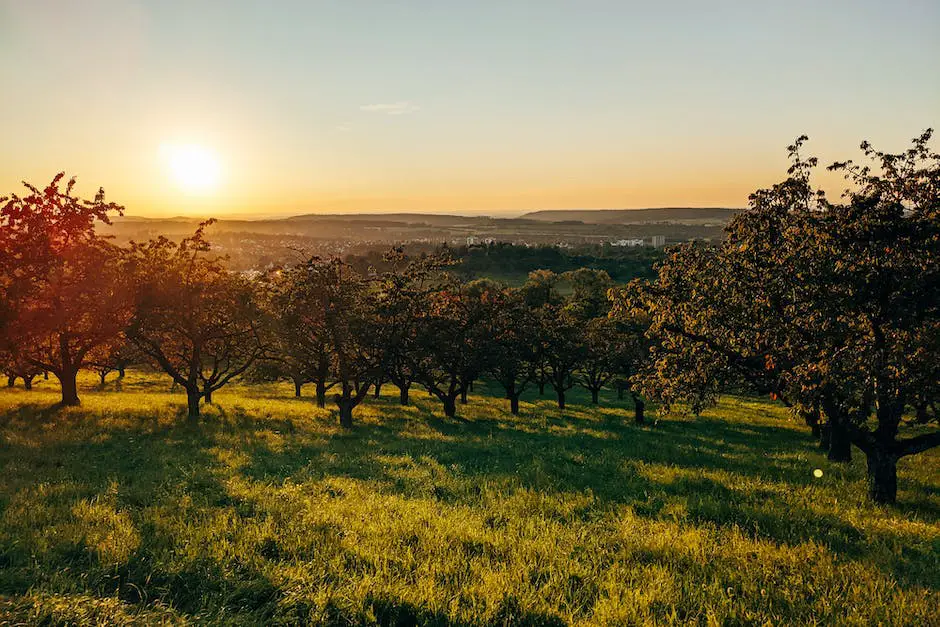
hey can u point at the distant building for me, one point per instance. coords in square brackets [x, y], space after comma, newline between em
[627, 242]
[471, 240]
[659, 241]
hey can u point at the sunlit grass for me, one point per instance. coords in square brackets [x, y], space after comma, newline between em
[266, 512]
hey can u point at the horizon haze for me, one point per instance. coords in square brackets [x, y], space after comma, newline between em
[245, 108]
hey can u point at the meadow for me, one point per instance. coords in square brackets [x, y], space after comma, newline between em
[266, 512]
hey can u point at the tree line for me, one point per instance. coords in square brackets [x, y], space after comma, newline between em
[74, 300]
[830, 307]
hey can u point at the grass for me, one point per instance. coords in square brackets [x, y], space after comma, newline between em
[119, 512]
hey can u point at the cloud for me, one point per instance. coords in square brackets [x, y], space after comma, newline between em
[402, 107]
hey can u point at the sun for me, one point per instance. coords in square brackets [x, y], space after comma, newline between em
[195, 168]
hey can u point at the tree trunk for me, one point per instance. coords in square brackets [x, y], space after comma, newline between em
[811, 418]
[208, 394]
[101, 377]
[541, 388]
[69, 387]
[594, 395]
[463, 396]
[638, 407]
[28, 382]
[11, 380]
[377, 392]
[403, 394]
[824, 436]
[297, 385]
[619, 392]
[561, 399]
[345, 406]
[514, 404]
[192, 403]
[450, 407]
[121, 372]
[321, 394]
[882, 476]
[840, 446]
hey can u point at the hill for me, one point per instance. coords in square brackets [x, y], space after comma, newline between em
[685, 215]
[119, 512]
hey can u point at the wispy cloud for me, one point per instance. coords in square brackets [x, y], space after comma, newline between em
[402, 107]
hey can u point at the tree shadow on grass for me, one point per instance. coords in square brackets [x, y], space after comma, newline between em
[649, 469]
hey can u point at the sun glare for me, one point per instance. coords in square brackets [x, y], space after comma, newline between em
[194, 168]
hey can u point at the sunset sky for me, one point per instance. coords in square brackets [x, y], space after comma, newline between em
[485, 106]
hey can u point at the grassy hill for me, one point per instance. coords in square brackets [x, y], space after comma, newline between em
[120, 512]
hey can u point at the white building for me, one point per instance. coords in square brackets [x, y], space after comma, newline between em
[627, 242]
[659, 241]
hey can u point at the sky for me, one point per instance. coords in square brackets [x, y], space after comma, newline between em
[277, 107]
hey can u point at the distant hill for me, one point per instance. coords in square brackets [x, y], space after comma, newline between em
[687, 215]
[436, 219]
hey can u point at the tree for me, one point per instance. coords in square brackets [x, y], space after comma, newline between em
[562, 348]
[195, 319]
[64, 287]
[633, 346]
[882, 287]
[298, 347]
[449, 351]
[825, 305]
[335, 305]
[589, 287]
[601, 355]
[15, 366]
[401, 298]
[514, 344]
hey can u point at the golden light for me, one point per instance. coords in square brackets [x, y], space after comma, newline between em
[194, 168]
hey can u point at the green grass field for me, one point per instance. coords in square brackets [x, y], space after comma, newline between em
[120, 512]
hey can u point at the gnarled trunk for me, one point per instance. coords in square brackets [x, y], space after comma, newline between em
[882, 475]
[514, 404]
[463, 396]
[561, 398]
[101, 378]
[594, 396]
[298, 384]
[345, 405]
[378, 389]
[69, 386]
[207, 394]
[192, 403]
[403, 393]
[28, 381]
[450, 406]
